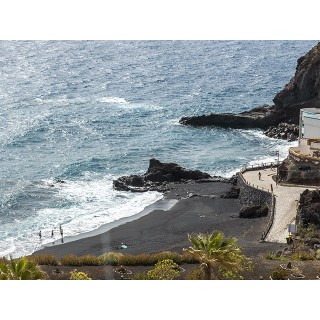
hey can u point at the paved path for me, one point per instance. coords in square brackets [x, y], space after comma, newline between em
[286, 202]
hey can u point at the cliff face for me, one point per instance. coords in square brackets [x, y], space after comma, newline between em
[302, 91]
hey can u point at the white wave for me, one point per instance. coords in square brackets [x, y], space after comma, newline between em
[253, 134]
[174, 122]
[225, 173]
[117, 100]
[95, 203]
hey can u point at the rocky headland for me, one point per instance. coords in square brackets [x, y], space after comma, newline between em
[160, 176]
[281, 119]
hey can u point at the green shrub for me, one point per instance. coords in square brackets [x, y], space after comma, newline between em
[78, 275]
[139, 276]
[90, 260]
[45, 259]
[275, 256]
[110, 258]
[70, 260]
[279, 274]
[144, 259]
[164, 270]
[75, 261]
[311, 231]
[117, 259]
[189, 258]
[302, 255]
[149, 259]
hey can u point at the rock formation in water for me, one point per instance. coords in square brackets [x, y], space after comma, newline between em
[159, 175]
[302, 91]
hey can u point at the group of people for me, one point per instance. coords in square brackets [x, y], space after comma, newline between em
[52, 233]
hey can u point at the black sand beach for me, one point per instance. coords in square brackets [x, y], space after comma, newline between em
[199, 209]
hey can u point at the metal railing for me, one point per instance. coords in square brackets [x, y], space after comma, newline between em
[273, 199]
[257, 167]
[271, 218]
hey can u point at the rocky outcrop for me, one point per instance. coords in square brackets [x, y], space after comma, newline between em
[284, 131]
[260, 117]
[159, 175]
[254, 211]
[302, 91]
[233, 193]
[309, 208]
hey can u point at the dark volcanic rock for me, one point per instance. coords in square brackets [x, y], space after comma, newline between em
[233, 193]
[158, 176]
[309, 207]
[254, 211]
[302, 91]
[260, 117]
[285, 131]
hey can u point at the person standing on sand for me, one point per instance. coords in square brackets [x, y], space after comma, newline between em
[259, 175]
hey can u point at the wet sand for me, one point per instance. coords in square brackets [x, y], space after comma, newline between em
[199, 209]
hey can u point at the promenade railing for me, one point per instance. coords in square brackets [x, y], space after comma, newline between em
[273, 199]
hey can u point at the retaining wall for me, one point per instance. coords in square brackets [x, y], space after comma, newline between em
[251, 196]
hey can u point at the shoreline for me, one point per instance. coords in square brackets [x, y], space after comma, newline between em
[193, 207]
[161, 204]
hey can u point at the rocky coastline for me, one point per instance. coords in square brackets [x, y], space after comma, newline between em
[161, 177]
[280, 120]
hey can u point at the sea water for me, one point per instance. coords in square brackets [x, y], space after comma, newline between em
[87, 112]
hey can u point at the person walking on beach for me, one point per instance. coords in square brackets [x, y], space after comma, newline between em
[259, 175]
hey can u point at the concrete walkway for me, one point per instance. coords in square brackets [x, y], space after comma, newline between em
[286, 202]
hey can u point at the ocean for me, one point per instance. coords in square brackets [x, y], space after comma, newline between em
[87, 112]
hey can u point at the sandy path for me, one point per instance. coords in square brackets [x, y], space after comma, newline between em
[286, 202]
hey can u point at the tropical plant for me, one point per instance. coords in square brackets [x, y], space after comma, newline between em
[20, 269]
[78, 275]
[219, 256]
[164, 270]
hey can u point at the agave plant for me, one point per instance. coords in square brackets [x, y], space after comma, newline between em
[20, 269]
[219, 256]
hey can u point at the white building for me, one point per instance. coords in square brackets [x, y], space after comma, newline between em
[309, 137]
[309, 123]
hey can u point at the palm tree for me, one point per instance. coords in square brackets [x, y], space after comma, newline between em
[20, 269]
[215, 252]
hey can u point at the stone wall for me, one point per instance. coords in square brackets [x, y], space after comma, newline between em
[251, 196]
[300, 169]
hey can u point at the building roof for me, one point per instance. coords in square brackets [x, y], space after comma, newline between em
[311, 110]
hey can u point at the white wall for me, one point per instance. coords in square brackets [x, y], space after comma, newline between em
[311, 128]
